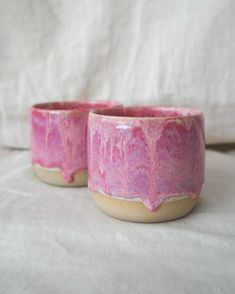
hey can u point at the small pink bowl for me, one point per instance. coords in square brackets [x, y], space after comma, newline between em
[59, 140]
[146, 163]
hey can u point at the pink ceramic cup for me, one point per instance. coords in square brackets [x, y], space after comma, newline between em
[59, 140]
[146, 163]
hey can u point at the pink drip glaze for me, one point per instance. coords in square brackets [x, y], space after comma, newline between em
[59, 135]
[149, 153]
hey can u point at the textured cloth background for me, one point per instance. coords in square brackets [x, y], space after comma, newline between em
[138, 52]
[171, 52]
[55, 240]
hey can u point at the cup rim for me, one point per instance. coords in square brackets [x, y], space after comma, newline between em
[76, 106]
[184, 112]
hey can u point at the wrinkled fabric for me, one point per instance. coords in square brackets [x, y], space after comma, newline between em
[138, 52]
[56, 240]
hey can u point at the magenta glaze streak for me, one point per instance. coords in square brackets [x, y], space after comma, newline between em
[59, 135]
[150, 158]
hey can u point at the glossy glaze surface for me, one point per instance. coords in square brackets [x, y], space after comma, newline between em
[147, 153]
[59, 135]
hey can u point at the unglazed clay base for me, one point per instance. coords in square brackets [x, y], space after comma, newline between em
[54, 176]
[135, 211]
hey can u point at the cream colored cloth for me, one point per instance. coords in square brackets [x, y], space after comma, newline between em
[55, 240]
[138, 52]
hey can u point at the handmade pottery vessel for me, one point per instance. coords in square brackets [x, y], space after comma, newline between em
[146, 164]
[59, 140]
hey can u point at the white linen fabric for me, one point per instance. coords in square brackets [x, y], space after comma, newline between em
[138, 52]
[55, 240]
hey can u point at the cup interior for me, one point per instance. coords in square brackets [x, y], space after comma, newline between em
[74, 105]
[148, 112]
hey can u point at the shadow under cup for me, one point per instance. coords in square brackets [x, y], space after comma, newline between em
[59, 140]
[146, 164]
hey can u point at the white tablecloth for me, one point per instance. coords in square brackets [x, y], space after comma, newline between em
[55, 240]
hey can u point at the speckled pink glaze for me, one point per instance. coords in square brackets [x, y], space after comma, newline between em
[59, 134]
[150, 153]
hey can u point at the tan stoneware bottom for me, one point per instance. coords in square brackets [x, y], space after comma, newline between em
[135, 211]
[54, 176]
